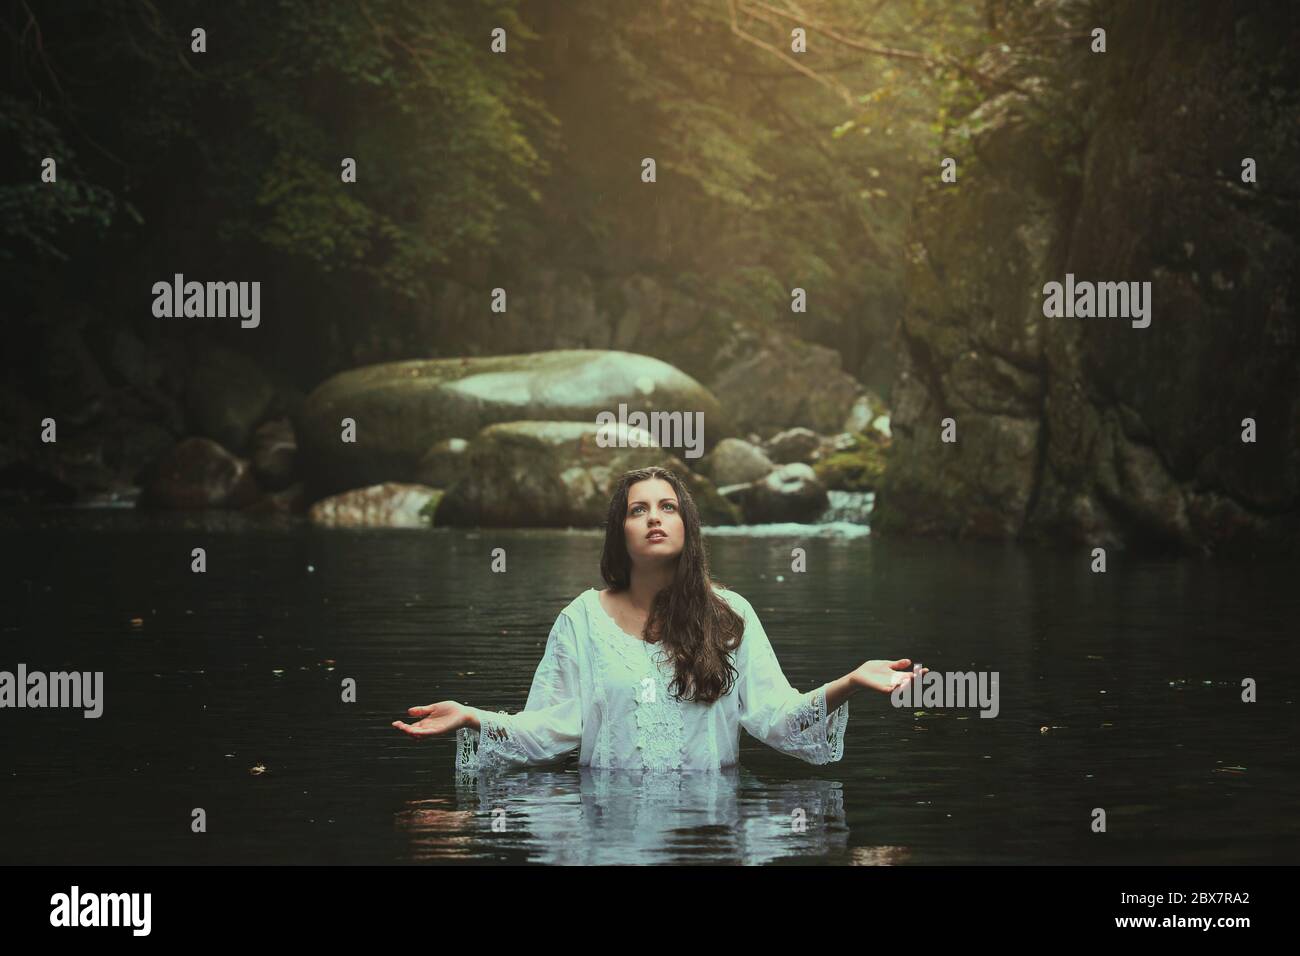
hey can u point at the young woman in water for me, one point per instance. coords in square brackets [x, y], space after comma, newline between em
[660, 670]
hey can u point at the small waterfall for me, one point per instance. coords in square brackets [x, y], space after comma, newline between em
[849, 507]
[847, 516]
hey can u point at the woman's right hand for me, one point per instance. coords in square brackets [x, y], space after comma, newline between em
[436, 719]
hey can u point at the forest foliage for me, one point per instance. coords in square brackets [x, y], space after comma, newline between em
[776, 169]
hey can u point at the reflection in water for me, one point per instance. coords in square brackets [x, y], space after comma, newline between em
[600, 816]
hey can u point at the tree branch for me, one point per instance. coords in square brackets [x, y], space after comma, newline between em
[983, 80]
[780, 54]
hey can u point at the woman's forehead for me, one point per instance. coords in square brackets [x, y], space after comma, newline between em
[649, 488]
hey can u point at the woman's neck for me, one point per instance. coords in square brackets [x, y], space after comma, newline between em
[648, 582]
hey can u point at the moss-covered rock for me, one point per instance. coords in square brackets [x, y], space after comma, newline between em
[857, 468]
[558, 474]
[401, 409]
[541, 474]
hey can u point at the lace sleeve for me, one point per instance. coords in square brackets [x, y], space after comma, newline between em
[549, 726]
[774, 712]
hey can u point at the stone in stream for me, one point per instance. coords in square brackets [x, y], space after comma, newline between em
[737, 462]
[402, 409]
[273, 453]
[198, 473]
[790, 493]
[387, 505]
[556, 474]
[794, 444]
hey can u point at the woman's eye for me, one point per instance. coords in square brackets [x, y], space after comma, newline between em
[669, 506]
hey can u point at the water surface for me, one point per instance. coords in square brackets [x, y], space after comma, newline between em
[1120, 691]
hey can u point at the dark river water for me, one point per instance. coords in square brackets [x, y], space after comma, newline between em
[1119, 691]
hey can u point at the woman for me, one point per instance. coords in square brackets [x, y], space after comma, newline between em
[660, 670]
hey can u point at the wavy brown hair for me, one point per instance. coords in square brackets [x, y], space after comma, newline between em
[696, 625]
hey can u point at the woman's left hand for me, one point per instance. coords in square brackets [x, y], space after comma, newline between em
[884, 676]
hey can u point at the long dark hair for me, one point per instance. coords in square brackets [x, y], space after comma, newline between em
[696, 625]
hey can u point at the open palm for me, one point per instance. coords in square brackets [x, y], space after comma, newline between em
[434, 719]
[884, 676]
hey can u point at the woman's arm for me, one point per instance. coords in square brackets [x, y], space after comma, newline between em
[810, 726]
[839, 691]
[549, 726]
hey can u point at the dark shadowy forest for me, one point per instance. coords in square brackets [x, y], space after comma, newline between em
[818, 170]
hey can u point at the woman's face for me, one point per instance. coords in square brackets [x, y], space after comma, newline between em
[653, 525]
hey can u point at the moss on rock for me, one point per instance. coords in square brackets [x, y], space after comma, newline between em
[860, 468]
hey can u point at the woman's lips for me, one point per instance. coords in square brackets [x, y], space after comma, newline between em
[656, 536]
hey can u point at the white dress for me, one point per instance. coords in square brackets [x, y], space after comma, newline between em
[602, 691]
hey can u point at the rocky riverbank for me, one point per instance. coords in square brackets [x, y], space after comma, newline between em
[489, 441]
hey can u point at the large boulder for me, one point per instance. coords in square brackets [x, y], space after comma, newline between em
[559, 474]
[736, 462]
[543, 474]
[402, 409]
[790, 493]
